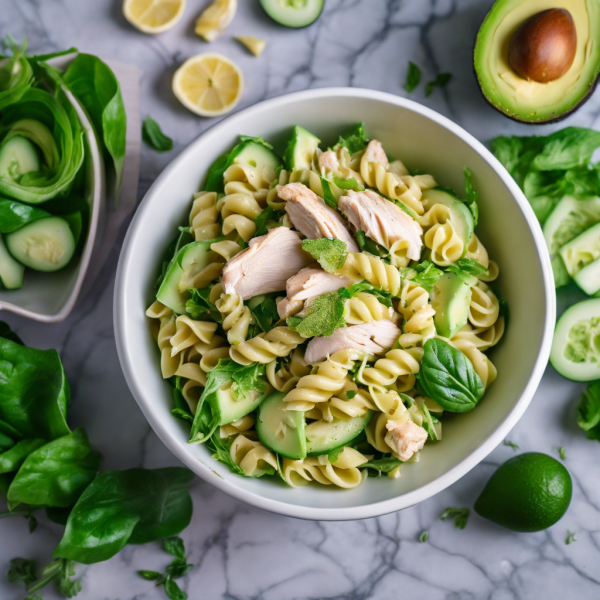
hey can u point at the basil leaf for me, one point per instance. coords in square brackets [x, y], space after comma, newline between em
[441, 81]
[448, 377]
[413, 77]
[153, 136]
[330, 253]
[34, 392]
[135, 506]
[94, 84]
[175, 547]
[382, 465]
[57, 473]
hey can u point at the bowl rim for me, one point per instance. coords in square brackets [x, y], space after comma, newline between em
[384, 506]
[98, 193]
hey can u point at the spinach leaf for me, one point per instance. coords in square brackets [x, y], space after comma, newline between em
[153, 136]
[265, 216]
[472, 196]
[448, 377]
[264, 311]
[366, 244]
[200, 308]
[320, 316]
[57, 473]
[355, 139]
[245, 378]
[14, 215]
[588, 411]
[413, 77]
[330, 253]
[34, 392]
[441, 81]
[214, 178]
[9, 334]
[135, 506]
[94, 84]
[11, 460]
[385, 464]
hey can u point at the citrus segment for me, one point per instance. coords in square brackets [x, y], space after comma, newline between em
[153, 16]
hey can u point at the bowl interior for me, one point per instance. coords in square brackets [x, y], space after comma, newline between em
[424, 141]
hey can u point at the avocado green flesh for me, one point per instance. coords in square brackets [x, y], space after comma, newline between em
[530, 101]
[301, 149]
[451, 299]
[529, 492]
[281, 430]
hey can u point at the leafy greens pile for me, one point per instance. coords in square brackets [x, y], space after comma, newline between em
[46, 465]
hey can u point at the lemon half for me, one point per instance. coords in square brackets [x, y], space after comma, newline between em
[153, 16]
[208, 84]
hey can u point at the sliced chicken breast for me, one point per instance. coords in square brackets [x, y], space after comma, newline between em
[309, 283]
[382, 220]
[406, 438]
[373, 338]
[376, 154]
[312, 217]
[266, 265]
[329, 160]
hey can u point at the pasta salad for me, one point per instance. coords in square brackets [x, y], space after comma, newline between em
[320, 312]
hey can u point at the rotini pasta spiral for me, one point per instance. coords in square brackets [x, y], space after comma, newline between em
[342, 407]
[238, 212]
[441, 236]
[236, 316]
[204, 217]
[190, 332]
[477, 251]
[246, 179]
[226, 249]
[273, 199]
[485, 308]
[482, 337]
[252, 457]
[343, 472]
[243, 425]
[365, 307]
[360, 266]
[397, 368]
[416, 310]
[266, 347]
[284, 379]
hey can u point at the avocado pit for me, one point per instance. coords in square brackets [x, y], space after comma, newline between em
[543, 47]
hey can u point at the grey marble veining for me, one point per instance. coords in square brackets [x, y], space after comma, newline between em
[244, 553]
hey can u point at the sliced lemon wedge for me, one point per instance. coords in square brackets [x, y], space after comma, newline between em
[153, 16]
[215, 19]
[254, 44]
[208, 84]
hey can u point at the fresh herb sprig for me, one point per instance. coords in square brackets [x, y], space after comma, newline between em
[460, 516]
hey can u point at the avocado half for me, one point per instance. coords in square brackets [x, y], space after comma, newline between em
[529, 101]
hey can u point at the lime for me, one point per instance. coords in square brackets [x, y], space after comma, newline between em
[529, 492]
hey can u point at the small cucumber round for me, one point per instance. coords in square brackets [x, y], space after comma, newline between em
[293, 13]
[576, 345]
[44, 245]
[322, 436]
[11, 271]
[279, 429]
[18, 156]
[582, 250]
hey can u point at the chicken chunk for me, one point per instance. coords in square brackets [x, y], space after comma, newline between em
[309, 283]
[375, 153]
[312, 217]
[329, 160]
[382, 220]
[372, 338]
[406, 438]
[266, 265]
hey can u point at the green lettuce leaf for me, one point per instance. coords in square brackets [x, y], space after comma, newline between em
[200, 308]
[355, 139]
[330, 253]
[264, 311]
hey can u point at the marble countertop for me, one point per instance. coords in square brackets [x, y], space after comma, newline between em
[240, 552]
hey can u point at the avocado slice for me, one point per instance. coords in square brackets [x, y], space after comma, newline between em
[528, 100]
[451, 299]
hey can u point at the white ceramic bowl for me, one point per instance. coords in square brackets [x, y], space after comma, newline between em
[424, 140]
[50, 297]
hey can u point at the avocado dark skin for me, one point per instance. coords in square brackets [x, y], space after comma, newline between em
[552, 117]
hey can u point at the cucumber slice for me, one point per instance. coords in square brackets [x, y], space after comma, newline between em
[281, 430]
[44, 245]
[323, 437]
[256, 155]
[582, 250]
[11, 271]
[229, 408]
[570, 218]
[451, 299]
[300, 149]
[293, 13]
[588, 279]
[18, 156]
[561, 277]
[576, 345]
[461, 216]
[192, 258]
